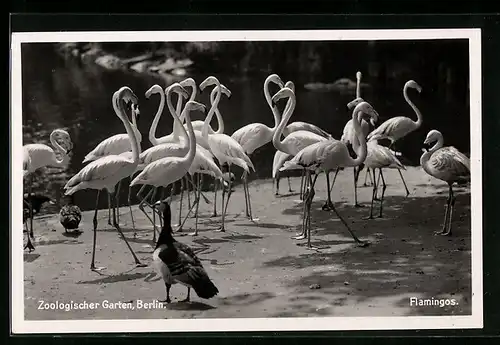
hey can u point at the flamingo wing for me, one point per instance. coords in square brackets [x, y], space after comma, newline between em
[279, 159]
[319, 154]
[36, 156]
[450, 164]
[162, 172]
[393, 129]
[253, 136]
[162, 151]
[304, 126]
[227, 146]
[296, 141]
[113, 145]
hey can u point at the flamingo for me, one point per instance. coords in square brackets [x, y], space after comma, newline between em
[165, 171]
[295, 141]
[115, 145]
[36, 156]
[446, 164]
[107, 171]
[255, 135]
[225, 148]
[329, 155]
[279, 159]
[397, 127]
[379, 157]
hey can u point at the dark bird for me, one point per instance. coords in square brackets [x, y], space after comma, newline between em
[177, 263]
[34, 201]
[70, 215]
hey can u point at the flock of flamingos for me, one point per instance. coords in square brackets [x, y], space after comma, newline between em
[194, 149]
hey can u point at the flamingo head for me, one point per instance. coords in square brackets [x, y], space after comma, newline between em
[63, 138]
[188, 82]
[352, 104]
[289, 84]
[366, 109]
[358, 75]
[153, 89]
[283, 93]
[193, 105]
[432, 137]
[275, 79]
[177, 88]
[413, 84]
[211, 80]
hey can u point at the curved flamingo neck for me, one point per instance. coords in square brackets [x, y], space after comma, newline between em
[176, 127]
[152, 130]
[362, 151]
[188, 159]
[267, 95]
[417, 123]
[134, 124]
[121, 113]
[204, 130]
[220, 120]
[59, 149]
[287, 113]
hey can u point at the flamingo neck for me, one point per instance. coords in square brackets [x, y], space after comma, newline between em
[418, 123]
[134, 124]
[178, 110]
[204, 130]
[275, 111]
[176, 127]
[220, 120]
[361, 152]
[189, 137]
[121, 113]
[152, 130]
[59, 149]
[287, 113]
[358, 86]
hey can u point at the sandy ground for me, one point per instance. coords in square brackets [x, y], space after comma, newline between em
[259, 270]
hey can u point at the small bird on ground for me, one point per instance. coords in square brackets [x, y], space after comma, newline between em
[70, 215]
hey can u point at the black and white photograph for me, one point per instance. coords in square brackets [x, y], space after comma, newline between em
[246, 180]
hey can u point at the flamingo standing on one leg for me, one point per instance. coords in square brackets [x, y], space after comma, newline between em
[36, 156]
[329, 155]
[106, 172]
[447, 164]
[255, 135]
[397, 127]
[225, 149]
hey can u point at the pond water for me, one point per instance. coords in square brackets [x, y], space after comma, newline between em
[65, 94]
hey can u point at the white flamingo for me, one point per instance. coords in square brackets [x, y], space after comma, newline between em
[255, 135]
[295, 141]
[397, 127]
[446, 164]
[225, 149]
[36, 156]
[115, 145]
[106, 172]
[328, 155]
[168, 170]
[380, 157]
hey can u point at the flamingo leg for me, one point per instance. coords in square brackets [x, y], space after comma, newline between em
[117, 227]
[180, 205]
[302, 185]
[334, 178]
[384, 186]
[277, 180]
[367, 174]
[452, 205]
[290, 190]
[224, 208]
[117, 193]
[109, 210]
[249, 203]
[30, 190]
[188, 190]
[129, 200]
[328, 204]
[374, 192]
[216, 186]
[302, 234]
[92, 264]
[356, 175]
[404, 182]
[308, 203]
[447, 216]
[141, 205]
[197, 201]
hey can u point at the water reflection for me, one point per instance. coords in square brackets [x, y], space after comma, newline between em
[66, 94]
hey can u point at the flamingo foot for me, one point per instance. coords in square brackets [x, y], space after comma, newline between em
[368, 218]
[96, 269]
[30, 247]
[310, 247]
[193, 234]
[214, 215]
[167, 300]
[328, 206]
[221, 229]
[140, 264]
[299, 237]
[358, 205]
[363, 244]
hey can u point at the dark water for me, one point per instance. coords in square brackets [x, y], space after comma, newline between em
[65, 94]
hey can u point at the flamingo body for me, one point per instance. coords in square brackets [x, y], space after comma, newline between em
[36, 156]
[253, 136]
[227, 150]
[448, 164]
[304, 126]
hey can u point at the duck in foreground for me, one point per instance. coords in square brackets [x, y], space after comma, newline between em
[447, 164]
[177, 263]
[70, 215]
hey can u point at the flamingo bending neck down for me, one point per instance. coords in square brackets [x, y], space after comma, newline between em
[256, 135]
[328, 155]
[106, 172]
[447, 164]
[225, 149]
[36, 156]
